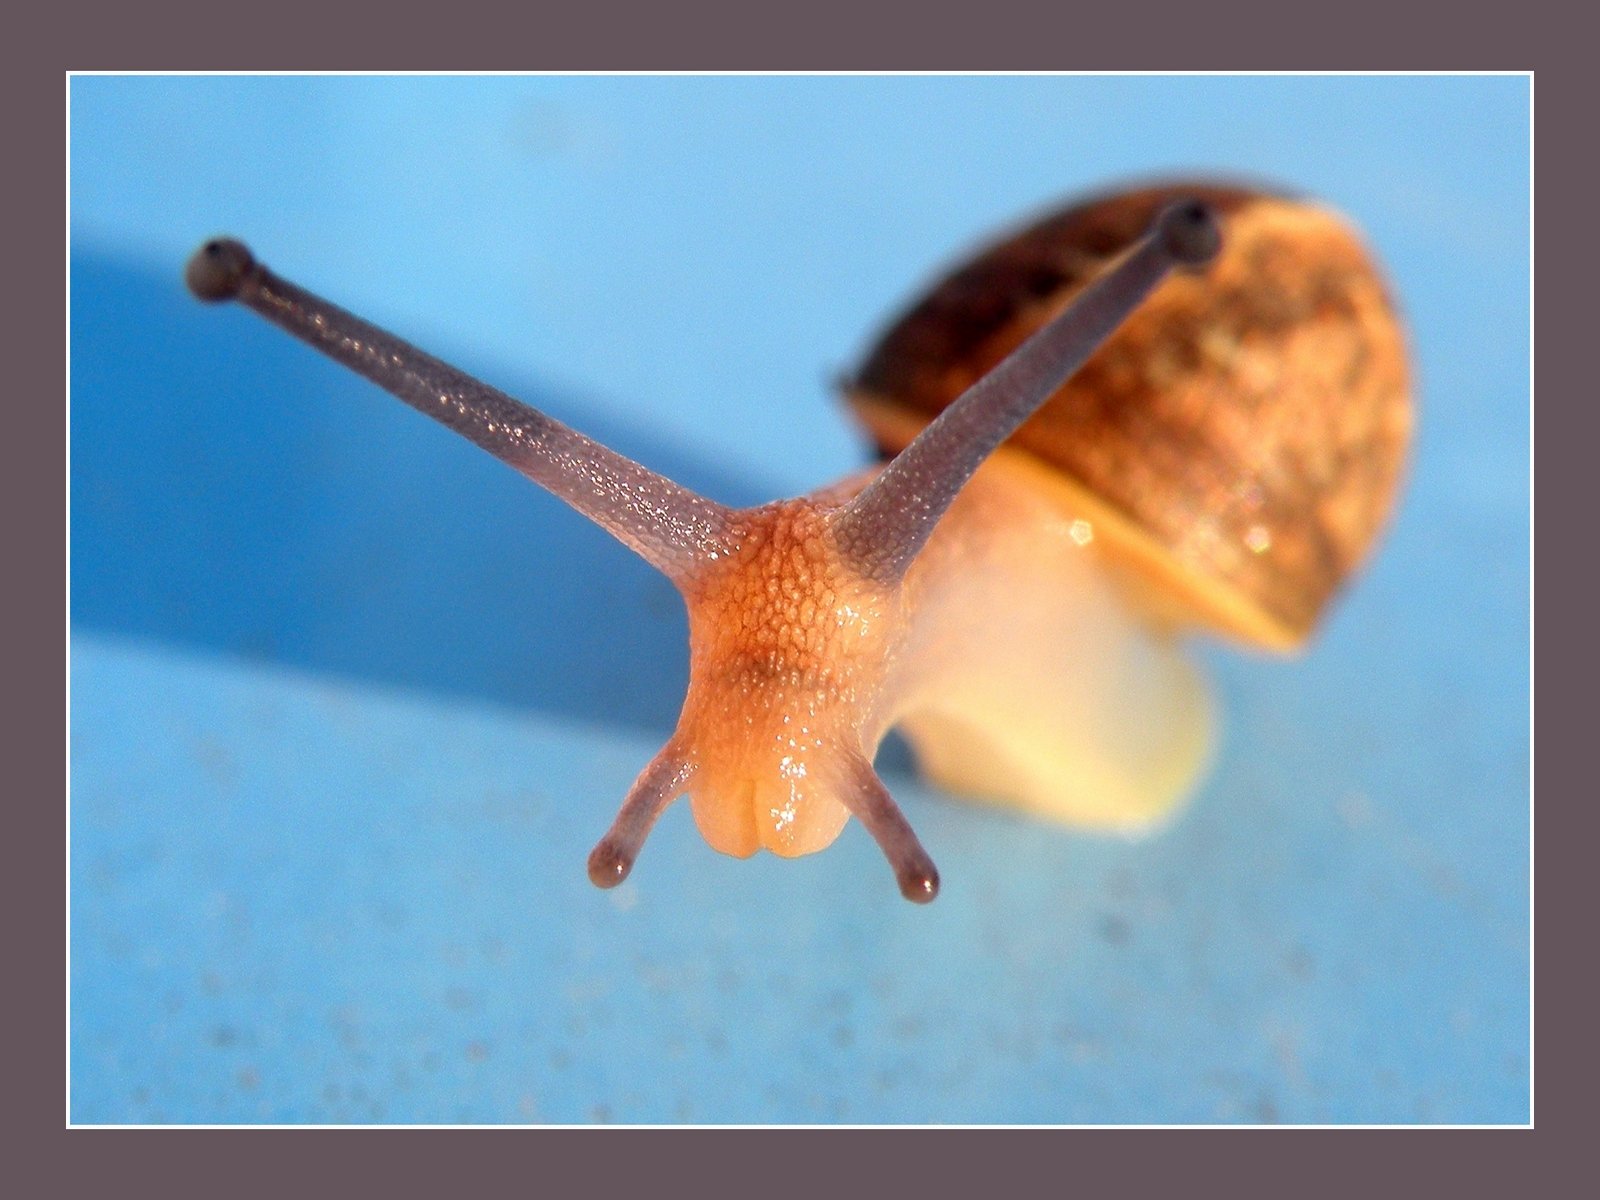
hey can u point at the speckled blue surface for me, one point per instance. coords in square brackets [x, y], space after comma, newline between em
[351, 701]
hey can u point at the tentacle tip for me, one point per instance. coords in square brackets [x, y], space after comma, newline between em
[919, 883]
[608, 865]
[1189, 232]
[218, 269]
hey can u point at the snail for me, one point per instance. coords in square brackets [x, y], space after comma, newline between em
[1218, 464]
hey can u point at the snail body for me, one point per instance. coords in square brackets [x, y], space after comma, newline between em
[1016, 610]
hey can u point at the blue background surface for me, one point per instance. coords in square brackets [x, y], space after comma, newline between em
[351, 701]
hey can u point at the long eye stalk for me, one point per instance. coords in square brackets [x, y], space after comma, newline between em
[669, 526]
[885, 526]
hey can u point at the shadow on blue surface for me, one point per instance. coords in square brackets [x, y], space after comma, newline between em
[232, 491]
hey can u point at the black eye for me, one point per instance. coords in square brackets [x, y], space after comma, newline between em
[1189, 231]
[217, 269]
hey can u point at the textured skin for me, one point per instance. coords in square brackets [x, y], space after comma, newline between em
[790, 654]
[669, 526]
[1250, 423]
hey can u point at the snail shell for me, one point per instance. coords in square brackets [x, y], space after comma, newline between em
[1240, 439]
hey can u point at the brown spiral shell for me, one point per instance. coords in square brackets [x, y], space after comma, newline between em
[1242, 435]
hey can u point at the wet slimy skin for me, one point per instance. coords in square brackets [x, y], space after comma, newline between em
[790, 651]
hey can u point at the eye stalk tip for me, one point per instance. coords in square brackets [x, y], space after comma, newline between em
[1189, 232]
[919, 884]
[608, 865]
[218, 269]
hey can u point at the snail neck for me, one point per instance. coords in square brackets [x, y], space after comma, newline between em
[1038, 671]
